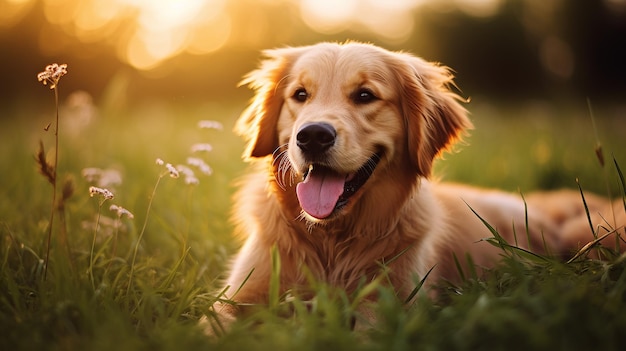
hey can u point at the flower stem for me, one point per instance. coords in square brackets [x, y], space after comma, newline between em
[93, 245]
[143, 230]
[54, 182]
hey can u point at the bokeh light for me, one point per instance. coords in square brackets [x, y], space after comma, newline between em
[11, 11]
[531, 47]
[146, 33]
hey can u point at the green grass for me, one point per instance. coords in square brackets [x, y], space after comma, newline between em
[86, 302]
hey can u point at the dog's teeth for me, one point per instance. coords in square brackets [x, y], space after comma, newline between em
[306, 172]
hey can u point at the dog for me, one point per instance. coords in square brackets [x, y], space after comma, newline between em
[341, 139]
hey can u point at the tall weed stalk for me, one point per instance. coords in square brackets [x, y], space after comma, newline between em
[51, 75]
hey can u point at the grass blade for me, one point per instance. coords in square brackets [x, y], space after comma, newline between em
[274, 290]
[501, 242]
[459, 268]
[582, 195]
[172, 274]
[620, 175]
[418, 287]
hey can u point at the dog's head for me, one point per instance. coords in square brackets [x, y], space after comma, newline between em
[342, 117]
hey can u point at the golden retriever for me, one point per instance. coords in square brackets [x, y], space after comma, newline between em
[342, 139]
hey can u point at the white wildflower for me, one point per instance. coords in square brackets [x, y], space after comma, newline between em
[52, 74]
[206, 124]
[190, 176]
[121, 211]
[91, 174]
[201, 147]
[106, 193]
[192, 180]
[102, 177]
[200, 164]
[79, 112]
[173, 171]
[168, 166]
[110, 177]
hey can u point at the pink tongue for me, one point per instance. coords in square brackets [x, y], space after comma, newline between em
[319, 193]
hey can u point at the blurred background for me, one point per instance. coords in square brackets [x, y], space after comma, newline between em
[535, 73]
[180, 50]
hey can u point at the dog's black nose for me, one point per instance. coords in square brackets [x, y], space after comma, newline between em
[316, 138]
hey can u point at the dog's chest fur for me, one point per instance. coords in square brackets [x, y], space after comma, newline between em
[348, 252]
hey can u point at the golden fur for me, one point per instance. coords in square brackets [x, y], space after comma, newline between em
[407, 116]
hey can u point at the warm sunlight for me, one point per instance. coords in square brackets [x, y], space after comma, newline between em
[328, 16]
[11, 11]
[146, 33]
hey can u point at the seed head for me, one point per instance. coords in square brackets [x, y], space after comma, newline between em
[600, 154]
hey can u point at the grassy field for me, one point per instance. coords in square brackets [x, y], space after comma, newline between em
[113, 282]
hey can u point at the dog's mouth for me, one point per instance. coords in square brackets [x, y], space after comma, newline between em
[325, 190]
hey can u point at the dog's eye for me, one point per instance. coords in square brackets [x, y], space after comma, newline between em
[363, 96]
[301, 95]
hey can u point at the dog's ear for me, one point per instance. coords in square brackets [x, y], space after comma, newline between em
[433, 115]
[258, 122]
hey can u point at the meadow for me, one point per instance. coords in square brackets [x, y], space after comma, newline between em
[115, 282]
